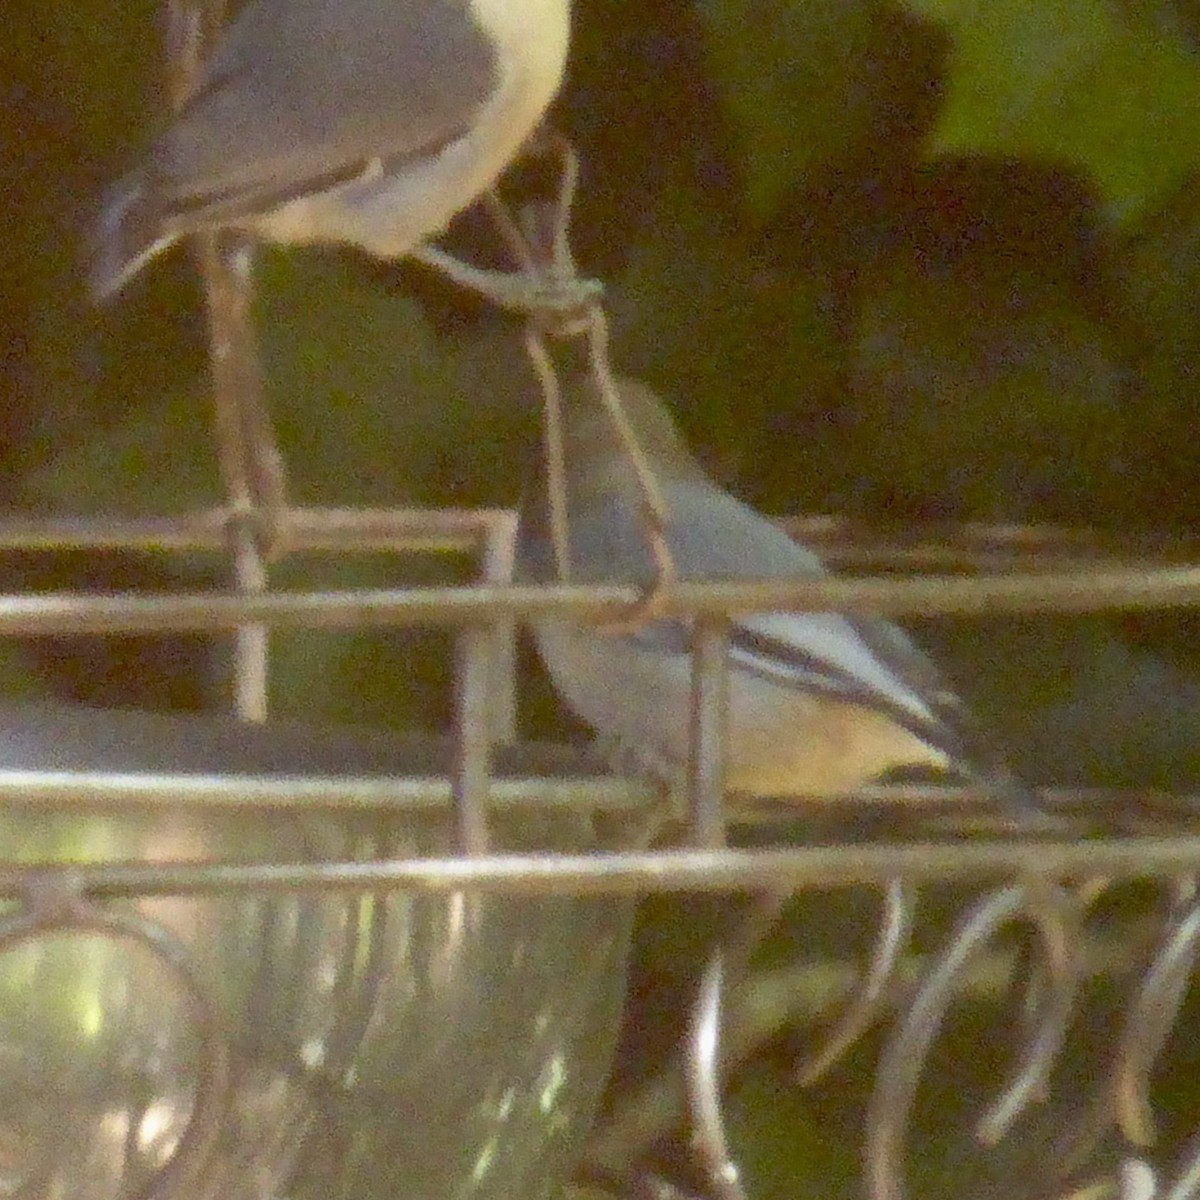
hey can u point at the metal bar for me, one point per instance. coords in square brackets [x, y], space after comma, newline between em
[232, 789]
[708, 735]
[840, 541]
[659, 871]
[95, 791]
[838, 535]
[303, 529]
[499, 553]
[702, 1074]
[472, 737]
[707, 750]
[1077, 592]
[252, 642]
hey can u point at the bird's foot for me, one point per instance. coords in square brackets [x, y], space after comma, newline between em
[544, 296]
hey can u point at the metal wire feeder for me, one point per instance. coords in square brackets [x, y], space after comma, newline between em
[1100, 1143]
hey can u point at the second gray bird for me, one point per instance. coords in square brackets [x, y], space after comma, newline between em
[369, 122]
[819, 703]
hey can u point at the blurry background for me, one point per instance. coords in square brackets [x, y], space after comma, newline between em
[926, 259]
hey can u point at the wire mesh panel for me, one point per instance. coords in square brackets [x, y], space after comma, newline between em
[239, 957]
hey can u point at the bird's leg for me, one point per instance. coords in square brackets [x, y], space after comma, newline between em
[192, 29]
[561, 304]
[252, 468]
[546, 234]
[656, 513]
[552, 446]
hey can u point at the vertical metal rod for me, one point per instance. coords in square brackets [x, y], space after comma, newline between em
[472, 736]
[709, 726]
[709, 720]
[499, 552]
[252, 643]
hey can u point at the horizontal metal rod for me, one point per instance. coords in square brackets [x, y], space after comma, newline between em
[301, 529]
[841, 539]
[97, 789]
[1025, 543]
[94, 792]
[985, 595]
[667, 870]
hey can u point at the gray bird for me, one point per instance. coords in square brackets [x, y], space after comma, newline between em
[369, 122]
[819, 703]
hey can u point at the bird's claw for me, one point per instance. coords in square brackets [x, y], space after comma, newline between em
[650, 605]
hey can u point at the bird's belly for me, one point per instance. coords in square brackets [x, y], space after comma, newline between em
[384, 214]
[785, 743]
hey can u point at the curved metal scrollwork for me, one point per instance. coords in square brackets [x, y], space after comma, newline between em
[1094, 1143]
[54, 904]
[1064, 926]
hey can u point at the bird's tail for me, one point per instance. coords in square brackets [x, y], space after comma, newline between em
[127, 235]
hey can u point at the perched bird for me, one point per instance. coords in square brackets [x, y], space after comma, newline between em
[369, 122]
[819, 703]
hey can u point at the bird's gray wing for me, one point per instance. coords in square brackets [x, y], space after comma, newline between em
[302, 95]
[869, 663]
[825, 654]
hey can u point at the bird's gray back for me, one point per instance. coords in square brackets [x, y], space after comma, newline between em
[711, 534]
